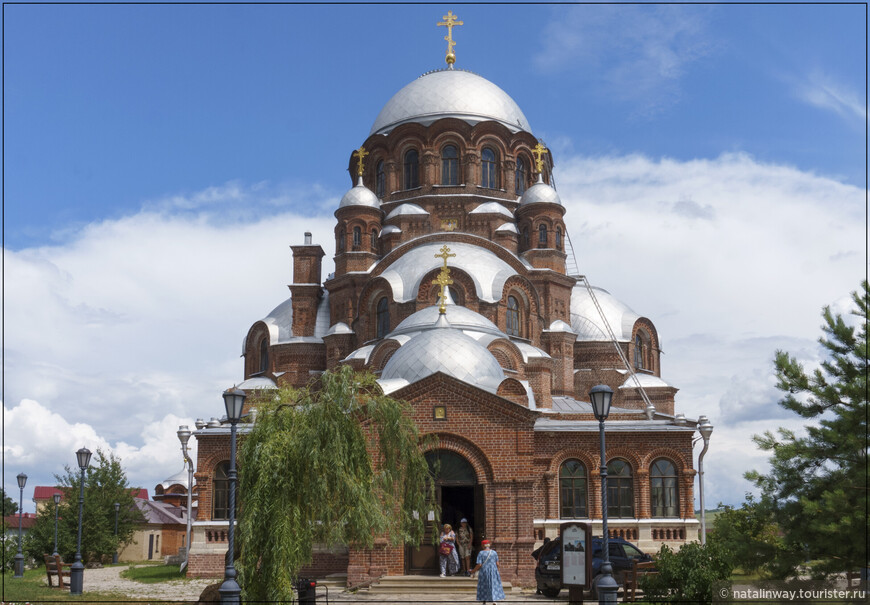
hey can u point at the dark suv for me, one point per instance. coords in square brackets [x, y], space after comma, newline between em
[548, 571]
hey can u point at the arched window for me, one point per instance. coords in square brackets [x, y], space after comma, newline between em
[572, 490]
[357, 237]
[449, 165]
[542, 235]
[341, 244]
[520, 176]
[383, 318]
[513, 317]
[412, 167]
[526, 237]
[221, 492]
[380, 180]
[663, 492]
[642, 352]
[558, 238]
[489, 174]
[264, 355]
[374, 239]
[620, 490]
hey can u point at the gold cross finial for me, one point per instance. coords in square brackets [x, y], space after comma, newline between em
[443, 280]
[445, 254]
[450, 22]
[539, 151]
[360, 154]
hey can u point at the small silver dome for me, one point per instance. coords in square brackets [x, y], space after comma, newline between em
[179, 478]
[408, 210]
[360, 195]
[492, 208]
[540, 193]
[461, 318]
[450, 93]
[445, 350]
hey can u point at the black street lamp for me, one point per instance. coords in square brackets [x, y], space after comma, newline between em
[19, 558]
[56, 499]
[607, 587]
[230, 591]
[184, 436]
[77, 571]
[115, 554]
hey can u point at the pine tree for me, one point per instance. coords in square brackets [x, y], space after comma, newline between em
[817, 486]
[339, 465]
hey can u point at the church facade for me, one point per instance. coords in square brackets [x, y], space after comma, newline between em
[451, 285]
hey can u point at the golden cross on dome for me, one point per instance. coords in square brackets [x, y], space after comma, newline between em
[445, 254]
[443, 280]
[360, 154]
[450, 22]
[539, 151]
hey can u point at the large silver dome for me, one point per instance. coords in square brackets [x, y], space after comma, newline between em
[444, 350]
[450, 93]
[586, 320]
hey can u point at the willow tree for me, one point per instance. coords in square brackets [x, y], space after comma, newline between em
[340, 464]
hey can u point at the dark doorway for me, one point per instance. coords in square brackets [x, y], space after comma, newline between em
[459, 496]
[457, 502]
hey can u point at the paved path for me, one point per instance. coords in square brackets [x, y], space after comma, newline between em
[108, 579]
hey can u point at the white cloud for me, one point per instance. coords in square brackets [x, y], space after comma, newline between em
[732, 259]
[824, 91]
[42, 441]
[642, 63]
[135, 323]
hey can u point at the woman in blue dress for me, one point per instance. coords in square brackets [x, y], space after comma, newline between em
[489, 581]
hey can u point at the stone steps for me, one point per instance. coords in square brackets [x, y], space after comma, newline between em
[336, 581]
[427, 585]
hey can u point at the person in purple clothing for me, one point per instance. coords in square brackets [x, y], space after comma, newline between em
[489, 581]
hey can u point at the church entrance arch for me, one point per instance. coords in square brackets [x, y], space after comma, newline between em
[460, 496]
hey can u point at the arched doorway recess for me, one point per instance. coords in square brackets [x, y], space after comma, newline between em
[459, 495]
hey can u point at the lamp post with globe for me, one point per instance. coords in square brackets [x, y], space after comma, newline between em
[115, 554]
[19, 558]
[184, 436]
[56, 498]
[601, 396]
[77, 571]
[230, 591]
[705, 427]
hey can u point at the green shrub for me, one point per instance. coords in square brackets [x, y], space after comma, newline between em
[687, 574]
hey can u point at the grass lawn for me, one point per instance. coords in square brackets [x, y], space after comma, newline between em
[152, 574]
[32, 589]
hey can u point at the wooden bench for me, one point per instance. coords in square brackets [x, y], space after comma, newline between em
[55, 567]
[632, 578]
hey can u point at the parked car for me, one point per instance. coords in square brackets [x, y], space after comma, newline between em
[548, 571]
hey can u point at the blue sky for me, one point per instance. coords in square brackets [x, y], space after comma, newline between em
[712, 160]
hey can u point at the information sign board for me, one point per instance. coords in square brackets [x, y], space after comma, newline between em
[576, 556]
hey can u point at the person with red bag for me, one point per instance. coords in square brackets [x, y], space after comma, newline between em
[447, 556]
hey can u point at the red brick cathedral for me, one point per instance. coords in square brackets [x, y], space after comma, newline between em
[451, 286]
